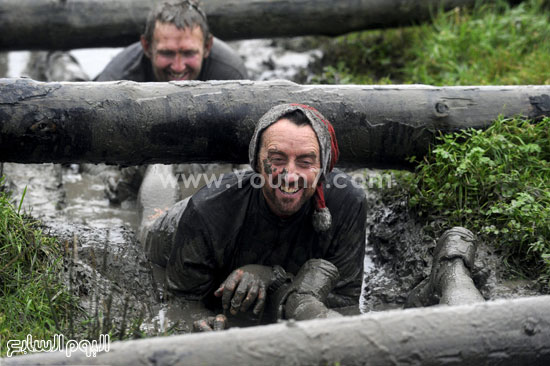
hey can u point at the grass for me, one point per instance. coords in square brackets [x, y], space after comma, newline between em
[33, 296]
[38, 287]
[492, 44]
[496, 183]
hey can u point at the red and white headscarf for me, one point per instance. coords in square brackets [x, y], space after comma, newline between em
[328, 146]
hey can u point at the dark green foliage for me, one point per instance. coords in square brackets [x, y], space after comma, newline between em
[495, 182]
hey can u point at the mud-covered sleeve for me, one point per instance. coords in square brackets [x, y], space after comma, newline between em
[348, 253]
[191, 265]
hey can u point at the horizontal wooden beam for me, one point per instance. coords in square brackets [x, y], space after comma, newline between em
[69, 24]
[131, 123]
[504, 333]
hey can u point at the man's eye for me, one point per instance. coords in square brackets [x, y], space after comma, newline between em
[277, 160]
[305, 163]
[166, 53]
[190, 53]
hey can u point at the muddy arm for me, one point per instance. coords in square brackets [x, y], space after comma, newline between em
[305, 298]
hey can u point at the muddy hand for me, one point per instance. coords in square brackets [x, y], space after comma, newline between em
[212, 323]
[244, 287]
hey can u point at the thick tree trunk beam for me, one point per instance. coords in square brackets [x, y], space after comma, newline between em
[69, 24]
[130, 123]
[505, 332]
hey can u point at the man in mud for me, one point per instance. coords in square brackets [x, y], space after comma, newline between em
[176, 45]
[288, 235]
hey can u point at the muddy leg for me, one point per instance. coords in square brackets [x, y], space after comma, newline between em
[124, 183]
[456, 285]
[157, 238]
[3, 64]
[158, 193]
[450, 280]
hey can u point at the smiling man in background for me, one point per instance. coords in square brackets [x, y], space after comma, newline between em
[176, 45]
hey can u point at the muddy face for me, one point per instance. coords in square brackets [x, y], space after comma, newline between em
[290, 165]
[176, 54]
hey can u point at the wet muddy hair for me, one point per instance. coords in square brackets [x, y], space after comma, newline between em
[182, 13]
[297, 117]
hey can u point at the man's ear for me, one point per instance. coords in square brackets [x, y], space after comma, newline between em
[208, 46]
[146, 46]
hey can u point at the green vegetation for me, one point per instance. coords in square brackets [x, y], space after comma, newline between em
[492, 44]
[38, 283]
[33, 297]
[496, 183]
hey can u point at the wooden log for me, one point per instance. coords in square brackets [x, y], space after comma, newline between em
[69, 24]
[131, 123]
[505, 332]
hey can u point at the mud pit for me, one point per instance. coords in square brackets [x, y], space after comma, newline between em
[112, 277]
[114, 280]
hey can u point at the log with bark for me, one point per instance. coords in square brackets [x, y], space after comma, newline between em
[69, 24]
[130, 123]
[504, 333]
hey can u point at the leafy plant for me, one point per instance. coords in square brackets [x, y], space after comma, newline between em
[495, 182]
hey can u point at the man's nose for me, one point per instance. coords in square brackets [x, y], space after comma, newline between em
[291, 174]
[179, 63]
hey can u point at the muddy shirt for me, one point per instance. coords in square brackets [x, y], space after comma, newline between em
[223, 63]
[228, 227]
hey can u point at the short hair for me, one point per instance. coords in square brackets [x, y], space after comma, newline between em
[182, 13]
